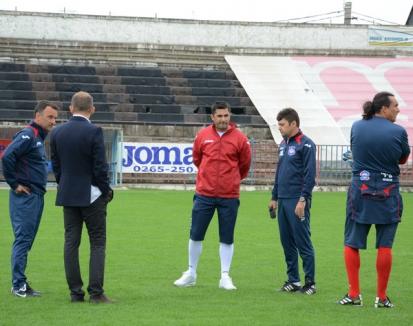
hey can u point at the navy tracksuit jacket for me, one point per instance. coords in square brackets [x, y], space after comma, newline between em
[378, 147]
[24, 160]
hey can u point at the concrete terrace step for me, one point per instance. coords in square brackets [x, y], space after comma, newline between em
[119, 80]
[88, 87]
[199, 56]
[137, 117]
[125, 98]
[189, 73]
[196, 82]
[101, 107]
[132, 59]
[119, 88]
[36, 48]
[205, 73]
[28, 105]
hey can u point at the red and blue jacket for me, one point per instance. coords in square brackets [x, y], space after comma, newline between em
[296, 170]
[378, 147]
[24, 160]
[222, 162]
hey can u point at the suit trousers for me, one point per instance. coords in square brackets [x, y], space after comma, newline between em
[94, 217]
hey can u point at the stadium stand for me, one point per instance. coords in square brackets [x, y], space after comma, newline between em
[162, 91]
[126, 94]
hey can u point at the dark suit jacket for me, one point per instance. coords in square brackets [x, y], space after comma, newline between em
[79, 161]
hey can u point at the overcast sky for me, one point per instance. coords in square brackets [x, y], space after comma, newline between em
[395, 11]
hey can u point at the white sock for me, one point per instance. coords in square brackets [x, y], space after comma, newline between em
[194, 251]
[226, 251]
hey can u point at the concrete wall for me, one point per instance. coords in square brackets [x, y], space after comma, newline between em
[246, 35]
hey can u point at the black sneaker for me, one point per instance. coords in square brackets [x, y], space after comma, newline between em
[383, 303]
[349, 301]
[31, 292]
[290, 287]
[21, 293]
[308, 288]
[25, 291]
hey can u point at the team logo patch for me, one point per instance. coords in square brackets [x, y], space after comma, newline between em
[364, 175]
[291, 150]
[387, 177]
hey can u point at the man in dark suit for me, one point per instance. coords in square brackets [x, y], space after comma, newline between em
[79, 164]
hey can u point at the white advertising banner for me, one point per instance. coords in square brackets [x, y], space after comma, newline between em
[391, 36]
[157, 158]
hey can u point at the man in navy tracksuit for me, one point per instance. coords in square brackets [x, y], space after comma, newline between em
[378, 147]
[25, 170]
[294, 183]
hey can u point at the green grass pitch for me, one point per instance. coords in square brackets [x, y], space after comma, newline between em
[147, 250]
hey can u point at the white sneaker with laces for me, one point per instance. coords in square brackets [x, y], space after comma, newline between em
[226, 283]
[22, 292]
[187, 279]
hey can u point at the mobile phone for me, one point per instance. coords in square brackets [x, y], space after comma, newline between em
[273, 212]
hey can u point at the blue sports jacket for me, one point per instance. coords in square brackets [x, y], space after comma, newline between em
[296, 170]
[24, 160]
[378, 145]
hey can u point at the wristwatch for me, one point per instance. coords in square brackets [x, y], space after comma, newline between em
[302, 199]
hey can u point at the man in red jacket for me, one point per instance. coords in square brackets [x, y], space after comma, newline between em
[222, 155]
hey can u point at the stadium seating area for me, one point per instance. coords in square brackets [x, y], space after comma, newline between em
[125, 94]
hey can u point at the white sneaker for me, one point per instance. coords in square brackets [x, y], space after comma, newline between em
[226, 283]
[187, 279]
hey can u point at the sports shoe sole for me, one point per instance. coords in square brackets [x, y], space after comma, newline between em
[187, 285]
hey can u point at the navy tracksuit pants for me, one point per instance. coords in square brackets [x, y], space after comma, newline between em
[25, 213]
[295, 238]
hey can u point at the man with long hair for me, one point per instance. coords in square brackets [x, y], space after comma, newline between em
[378, 147]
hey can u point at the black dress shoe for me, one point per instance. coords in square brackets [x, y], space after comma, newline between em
[100, 298]
[77, 298]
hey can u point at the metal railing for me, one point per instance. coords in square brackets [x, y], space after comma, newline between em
[331, 169]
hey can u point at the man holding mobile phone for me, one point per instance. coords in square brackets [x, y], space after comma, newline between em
[291, 195]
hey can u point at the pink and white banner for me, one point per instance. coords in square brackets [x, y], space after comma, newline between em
[327, 92]
[344, 84]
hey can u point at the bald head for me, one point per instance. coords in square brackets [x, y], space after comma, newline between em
[82, 103]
